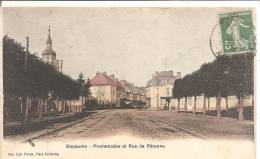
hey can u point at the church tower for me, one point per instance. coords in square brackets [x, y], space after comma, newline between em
[49, 55]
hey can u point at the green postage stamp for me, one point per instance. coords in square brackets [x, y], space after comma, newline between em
[237, 32]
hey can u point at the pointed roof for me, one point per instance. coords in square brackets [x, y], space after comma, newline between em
[49, 50]
[101, 80]
[49, 41]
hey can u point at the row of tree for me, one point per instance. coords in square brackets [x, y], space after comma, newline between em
[226, 75]
[39, 79]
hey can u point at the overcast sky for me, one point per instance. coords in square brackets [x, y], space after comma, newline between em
[131, 43]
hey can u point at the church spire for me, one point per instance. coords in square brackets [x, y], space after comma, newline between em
[49, 50]
[48, 41]
[49, 30]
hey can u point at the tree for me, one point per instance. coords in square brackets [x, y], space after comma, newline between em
[35, 82]
[226, 75]
[39, 78]
[177, 91]
[84, 90]
[80, 79]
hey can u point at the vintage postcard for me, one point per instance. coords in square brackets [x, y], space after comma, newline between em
[176, 80]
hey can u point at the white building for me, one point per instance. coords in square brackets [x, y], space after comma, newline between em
[160, 88]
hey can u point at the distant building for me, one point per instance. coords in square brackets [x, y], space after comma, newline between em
[49, 55]
[106, 89]
[132, 92]
[159, 88]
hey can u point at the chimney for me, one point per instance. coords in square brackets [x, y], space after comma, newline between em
[122, 82]
[97, 73]
[112, 76]
[171, 73]
[155, 74]
[178, 75]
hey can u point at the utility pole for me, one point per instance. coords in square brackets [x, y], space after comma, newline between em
[27, 100]
[26, 55]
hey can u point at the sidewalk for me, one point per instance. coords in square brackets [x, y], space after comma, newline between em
[209, 126]
[16, 127]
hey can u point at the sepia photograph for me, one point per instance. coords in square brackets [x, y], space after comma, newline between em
[89, 80]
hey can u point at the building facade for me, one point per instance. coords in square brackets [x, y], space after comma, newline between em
[106, 89]
[132, 92]
[49, 55]
[159, 89]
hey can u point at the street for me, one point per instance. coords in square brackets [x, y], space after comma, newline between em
[161, 125]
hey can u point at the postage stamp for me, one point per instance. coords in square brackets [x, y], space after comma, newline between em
[237, 32]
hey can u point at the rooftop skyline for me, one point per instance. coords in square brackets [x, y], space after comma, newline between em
[131, 43]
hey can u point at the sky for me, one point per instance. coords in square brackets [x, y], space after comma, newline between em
[131, 43]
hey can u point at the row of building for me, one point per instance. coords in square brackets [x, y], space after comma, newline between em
[107, 89]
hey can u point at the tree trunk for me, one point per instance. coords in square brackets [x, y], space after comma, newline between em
[241, 108]
[226, 102]
[204, 105]
[82, 103]
[208, 103]
[46, 106]
[30, 108]
[70, 107]
[57, 103]
[73, 109]
[21, 104]
[185, 105]
[38, 105]
[194, 105]
[168, 104]
[178, 106]
[27, 105]
[41, 103]
[63, 106]
[219, 105]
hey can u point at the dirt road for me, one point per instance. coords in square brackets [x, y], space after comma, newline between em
[156, 125]
[148, 125]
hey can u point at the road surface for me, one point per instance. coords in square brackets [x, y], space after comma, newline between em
[147, 124]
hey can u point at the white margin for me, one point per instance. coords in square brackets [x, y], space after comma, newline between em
[257, 88]
[241, 4]
[130, 4]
